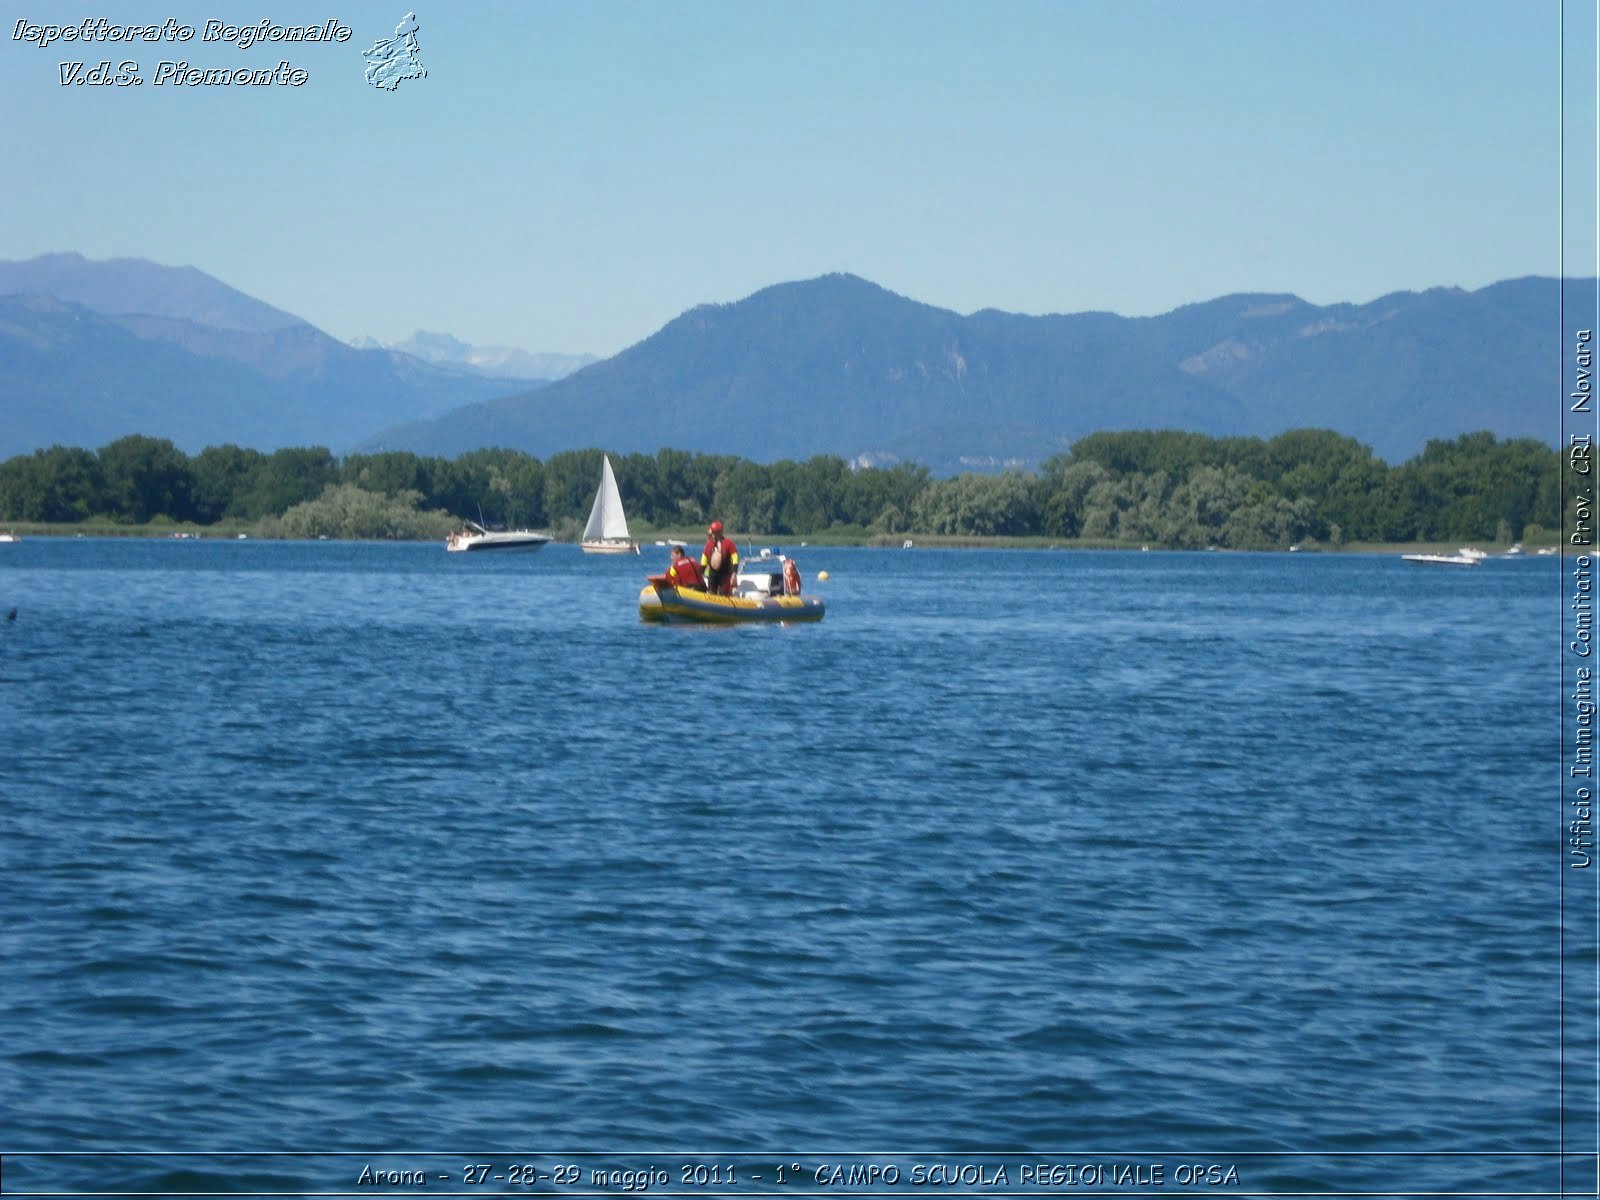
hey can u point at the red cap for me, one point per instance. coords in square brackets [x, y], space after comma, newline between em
[716, 527]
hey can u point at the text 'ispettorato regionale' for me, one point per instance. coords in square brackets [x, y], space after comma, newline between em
[100, 33]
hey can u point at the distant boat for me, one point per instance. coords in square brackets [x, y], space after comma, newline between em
[1445, 560]
[475, 537]
[607, 530]
[10, 537]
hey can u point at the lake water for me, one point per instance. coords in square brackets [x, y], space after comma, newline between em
[318, 859]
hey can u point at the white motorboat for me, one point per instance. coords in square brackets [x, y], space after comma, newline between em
[475, 537]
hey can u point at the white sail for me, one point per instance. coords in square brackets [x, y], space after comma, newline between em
[607, 521]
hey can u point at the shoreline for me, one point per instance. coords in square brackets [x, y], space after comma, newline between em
[161, 531]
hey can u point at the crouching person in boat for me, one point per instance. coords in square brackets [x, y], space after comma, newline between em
[683, 573]
[719, 562]
[791, 578]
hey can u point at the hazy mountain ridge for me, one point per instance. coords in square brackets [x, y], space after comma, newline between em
[128, 346]
[840, 365]
[505, 362]
[127, 286]
[832, 365]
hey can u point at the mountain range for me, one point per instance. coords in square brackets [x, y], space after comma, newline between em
[838, 365]
[91, 351]
[497, 362]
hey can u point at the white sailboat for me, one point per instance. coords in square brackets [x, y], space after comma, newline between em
[607, 530]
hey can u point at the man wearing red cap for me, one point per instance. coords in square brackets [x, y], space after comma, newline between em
[719, 562]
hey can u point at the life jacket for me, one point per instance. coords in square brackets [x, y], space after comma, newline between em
[719, 553]
[683, 573]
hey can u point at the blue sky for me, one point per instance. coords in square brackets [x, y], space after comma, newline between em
[574, 173]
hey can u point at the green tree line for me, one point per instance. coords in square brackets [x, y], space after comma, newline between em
[1163, 487]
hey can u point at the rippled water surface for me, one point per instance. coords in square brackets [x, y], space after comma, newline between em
[368, 847]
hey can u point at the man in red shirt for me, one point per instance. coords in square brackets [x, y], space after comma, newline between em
[719, 562]
[682, 573]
